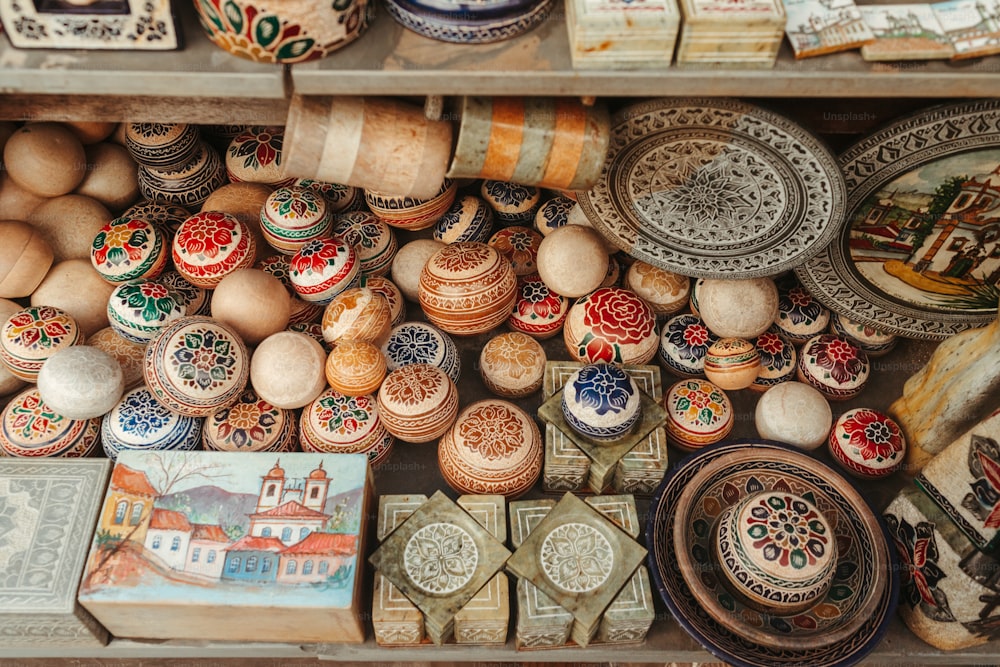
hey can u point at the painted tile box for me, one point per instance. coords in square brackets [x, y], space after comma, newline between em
[231, 546]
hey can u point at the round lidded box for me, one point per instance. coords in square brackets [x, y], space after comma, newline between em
[129, 249]
[255, 156]
[601, 402]
[357, 313]
[138, 311]
[29, 428]
[512, 364]
[355, 367]
[800, 316]
[494, 447]
[875, 343]
[468, 219]
[250, 425]
[538, 311]
[867, 443]
[732, 363]
[699, 413]
[611, 324]
[418, 402]
[211, 244]
[334, 423]
[163, 145]
[684, 342]
[422, 343]
[411, 213]
[140, 422]
[31, 335]
[834, 366]
[520, 246]
[323, 268]
[291, 217]
[81, 382]
[374, 240]
[778, 360]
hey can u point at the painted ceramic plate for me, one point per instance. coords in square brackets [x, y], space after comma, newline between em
[840, 630]
[715, 189]
[920, 253]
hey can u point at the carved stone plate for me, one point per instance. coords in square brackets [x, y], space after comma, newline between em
[715, 189]
[919, 255]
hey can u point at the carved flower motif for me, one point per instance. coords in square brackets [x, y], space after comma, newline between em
[492, 431]
[512, 354]
[32, 417]
[699, 402]
[920, 573]
[874, 435]
[690, 337]
[245, 423]
[576, 557]
[296, 204]
[836, 355]
[440, 558]
[141, 414]
[413, 384]
[38, 327]
[537, 301]
[342, 414]
[315, 255]
[124, 240]
[519, 245]
[204, 360]
[462, 257]
[773, 350]
[258, 147]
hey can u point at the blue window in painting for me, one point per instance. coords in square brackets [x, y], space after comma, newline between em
[251, 565]
[211, 556]
[324, 567]
[234, 564]
[286, 534]
[290, 568]
[156, 542]
[265, 566]
[133, 520]
[303, 533]
[308, 567]
[265, 532]
[120, 509]
[195, 554]
[175, 544]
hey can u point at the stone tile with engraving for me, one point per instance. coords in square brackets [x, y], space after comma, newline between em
[565, 467]
[396, 620]
[485, 618]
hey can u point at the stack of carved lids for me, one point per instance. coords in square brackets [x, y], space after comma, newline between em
[622, 34]
[469, 21]
[719, 32]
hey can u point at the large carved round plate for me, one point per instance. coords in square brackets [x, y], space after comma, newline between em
[920, 253]
[715, 189]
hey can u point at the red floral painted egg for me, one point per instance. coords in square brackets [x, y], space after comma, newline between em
[210, 245]
[538, 311]
[291, 217]
[128, 249]
[520, 246]
[613, 325]
[32, 335]
[867, 443]
[834, 366]
[323, 268]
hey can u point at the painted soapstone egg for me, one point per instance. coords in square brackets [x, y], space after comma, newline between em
[250, 425]
[211, 244]
[800, 316]
[837, 368]
[409, 263]
[777, 360]
[29, 427]
[418, 402]
[164, 214]
[355, 367]
[468, 219]
[520, 246]
[291, 217]
[553, 214]
[684, 342]
[301, 310]
[323, 268]
[339, 198]
[422, 343]
[388, 289]
[776, 551]
[334, 423]
[664, 291]
[374, 240]
[538, 311]
[287, 369]
[32, 335]
[162, 145]
[131, 357]
[357, 313]
[494, 447]
[573, 261]
[196, 365]
[140, 422]
[738, 308]
[693, 299]
[81, 382]
[873, 342]
[614, 274]
[512, 364]
[732, 363]
[611, 324]
[467, 288]
[867, 443]
[138, 311]
[512, 204]
[795, 413]
[410, 213]
[255, 156]
[601, 402]
[194, 300]
[699, 413]
[128, 249]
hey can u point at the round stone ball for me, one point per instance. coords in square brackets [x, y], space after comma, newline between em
[355, 368]
[291, 217]
[129, 249]
[867, 443]
[512, 365]
[139, 311]
[112, 176]
[130, 356]
[138, 422]
[732, 363]
[32, 335]
[162, 145]
[601, 402]
[699, 413]
[834, 366]
[418, 402]
[81, 382]
[613, 325]
[253, 302]
[16, 202]
[409, 262]
[301, 310]
[210, 245]
[323, 268]
[357, 313]
[335, 423]
[795, 413]
[75, 287]
[264, 145]
[25, 258]
[89, 132]
[69, 223]
[738, 308]
[873, 342]
[46, 159]
[287, 369]
[392, 294]
[684, 342]
[250, 425]
[468, 219]
[243, 201]
[520, 246]
[572, 260]
[665, 292]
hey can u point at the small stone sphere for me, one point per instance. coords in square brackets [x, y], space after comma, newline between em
[512, 204]
[195, 300]
[139, 311]
[520, 246]
[601, 402]
[778, 360]
[300, 310]
[254, 156]
[25, 258]
[572, 260]
[512, 365]
[112, 176]
[323, 268]
[16, 202]
[468, 219]
[130, 356]
[418, 402]
[410, 213]
[89, 132]
[30, 428]
[553, 214]
[732, 363]
[388, 289]
[684, 342]
[834, 366]
[665, 292]
[139, 422]
[75, 287]
[409, 262]
[254, 303]
[800, 316]
[355, 367]
[494, 447]
[867, 443]
[699, 413]
[287, 369]
[374, 240]
[613, 325]
[795, 413]
[243, 201]
[291, 217]
[210, 245]
[335, 423]
[738, 308]
[46, 159]
[357, 313]
[422, 343]
[81, 382]
[32, 335]
[129, 249]
[250, 425]
[538, 311]
[873, 342]
[69, 223]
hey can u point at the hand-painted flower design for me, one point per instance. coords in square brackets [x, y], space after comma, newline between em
[207, 235]
[576, 557]
[414, 343]
[149, 301]
[414, 384]
[873, 435]
[121, 241]
[689, 335]
[360, 228]
[463, 257]
[797, 305]
[774, 351]
[141, 415]
[508, 194]
[839, 357]
[205, 359]
[259, 147]
[344, 415]
[536, 301]
[787, 530]
[699, 402]
[295, 204]
[659, 281]
[440, 558]
[315, 256]
[603, 387]
[984, 501]
[614, 317]
[248, 422]
[519, 245]
[920, 573]
[32, 418]
[39, 327]
[492, 430]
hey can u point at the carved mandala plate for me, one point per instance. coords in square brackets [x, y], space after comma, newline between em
[715, 189]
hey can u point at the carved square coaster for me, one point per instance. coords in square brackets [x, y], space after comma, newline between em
[524, 516]
[630, 616]
[394, 509]
[620, 510]
[485, 618]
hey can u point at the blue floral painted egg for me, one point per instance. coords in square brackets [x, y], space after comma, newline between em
[553, 214]
[512, 204]
[139, 422]
[468, 219]
[422, 343]
[684, 342]
[601, 402]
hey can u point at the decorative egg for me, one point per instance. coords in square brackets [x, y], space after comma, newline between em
[357, 313]
[374, 240]
[210, 245]
[520, 246]
[795, 413]
[613, 325]
[163, 145]
[81, 382]
[164, 214]
[388, 289]
[323, 268]
[253, 302]
[553, 214]
[614, 274]
[140, 422]
[601, 402]
[538, 311]
[112, 176]
[337, 424]
[46, 159]
[777, 360]
[693, 300]
[468, 219]
[738, 308]
[572, 261]
[74, 287]
[418, 402]
[69, 224]
[867, 443]
[250, 425]
[664, 291]
[300, 310]
[287, 369]
[873, 342]
[732, 363]
[837, 368]
[194, 300]
[128, 249]
[355, 367]
[25, 257]
[699, 413]
[255, 156]
[196, 365]
[512, 364]
[131, 357]
[467, 288]
[512, 204]
[188, 185]
[800, 316]
[410, 213]
[291, 217]
[138, 311]
[339, 198]
[32, 335]
[684, 342]
[422, 343]
[30, 428]
[409, 263]
[9, 383]
[493, 448]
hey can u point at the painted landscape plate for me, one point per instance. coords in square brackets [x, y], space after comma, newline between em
[715, 189]
[920, 253]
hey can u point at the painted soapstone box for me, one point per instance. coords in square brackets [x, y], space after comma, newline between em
[224, 546]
